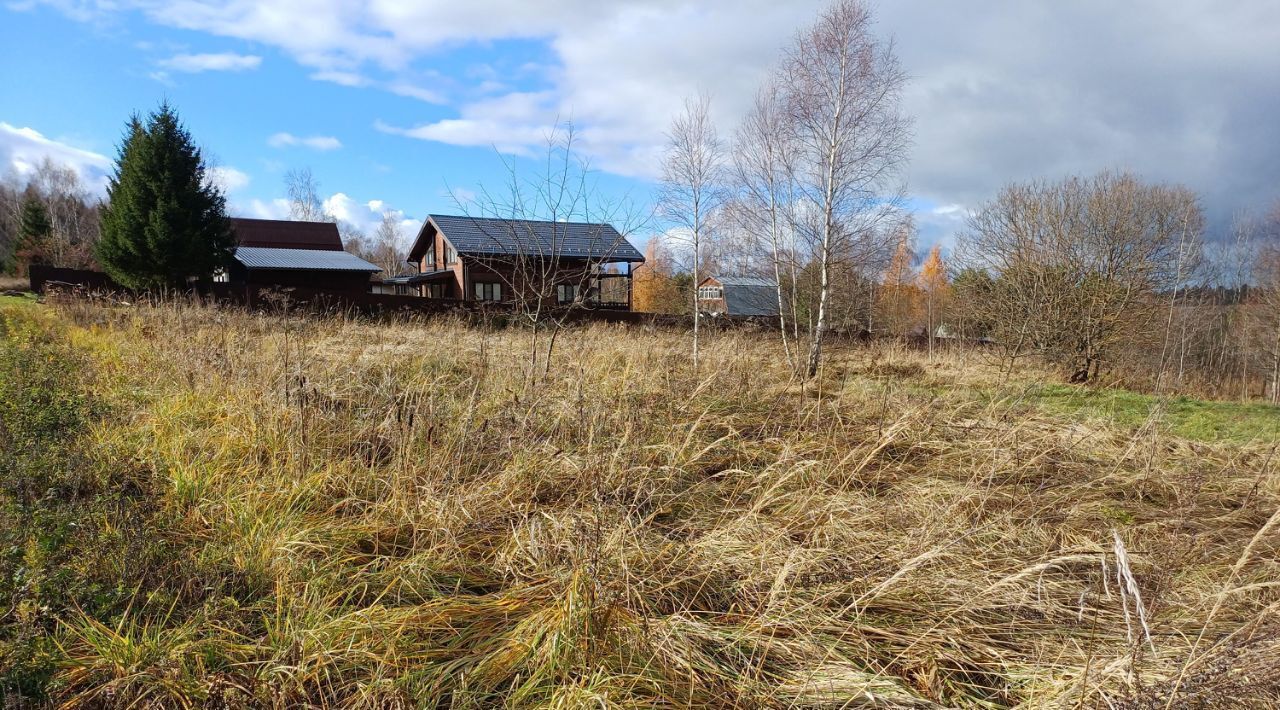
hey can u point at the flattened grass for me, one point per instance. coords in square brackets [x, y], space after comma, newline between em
[366, 514]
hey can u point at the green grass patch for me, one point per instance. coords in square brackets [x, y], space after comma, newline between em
[1187, 417]
[26, 299]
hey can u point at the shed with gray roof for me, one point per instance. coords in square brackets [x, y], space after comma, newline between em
[750, 296]
[295, 255]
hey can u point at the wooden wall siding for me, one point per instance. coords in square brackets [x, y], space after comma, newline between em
[712, 305]
[434, 260]
[516, 283]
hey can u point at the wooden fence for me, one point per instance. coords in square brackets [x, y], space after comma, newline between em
[47, 278]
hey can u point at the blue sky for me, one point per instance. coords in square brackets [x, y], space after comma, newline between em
[257, 112]
[390, 102]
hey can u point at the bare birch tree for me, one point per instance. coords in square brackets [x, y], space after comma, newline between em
[1266, 315]
[692, 186]
[842, 90]
[303, 192]
[763, 173]
[386, 250]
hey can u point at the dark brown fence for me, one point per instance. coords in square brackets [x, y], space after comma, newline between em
[47, 278]
[42, 277]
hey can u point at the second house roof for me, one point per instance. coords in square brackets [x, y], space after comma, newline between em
[489, 236]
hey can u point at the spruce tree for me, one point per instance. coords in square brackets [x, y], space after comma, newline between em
[34, 229]
[164, 223]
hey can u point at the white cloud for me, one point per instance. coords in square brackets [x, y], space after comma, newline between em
[364, 217]
[430, 96]
[262, 209]
[342, 78]
[195, 63]
[460, 196]
[283, 140]
[23, 149]
[228, 178]
[1183, 90]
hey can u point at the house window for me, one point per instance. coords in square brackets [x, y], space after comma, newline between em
[436, 290]
[566, 293]
[710, 292]
[488, 292]
[450, 256]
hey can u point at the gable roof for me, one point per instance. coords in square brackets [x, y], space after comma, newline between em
[748, 295]
[487, 236]
[301, 260]
[282, 234]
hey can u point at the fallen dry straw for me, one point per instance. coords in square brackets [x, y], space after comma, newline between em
[369, 514]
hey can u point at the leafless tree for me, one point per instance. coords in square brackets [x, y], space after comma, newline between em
[303, 192]
[693, 187]
[1269, 314]
[545, 278]
[71, 209]
[388, 251]
[841, 86]
[764, 178]
[72, 214]
[1079, 265]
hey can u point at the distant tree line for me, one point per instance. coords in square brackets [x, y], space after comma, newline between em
[46, 217]
[1108, 277]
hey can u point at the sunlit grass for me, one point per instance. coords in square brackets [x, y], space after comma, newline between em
[1186, 417]
[24, 301]
[353, 513]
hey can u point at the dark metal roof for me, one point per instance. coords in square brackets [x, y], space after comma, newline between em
[282, 234]
[486, 236]
[745, 281]
[301, 260]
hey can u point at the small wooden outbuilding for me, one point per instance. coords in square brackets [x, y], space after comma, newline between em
[296, 254]
[752, 296]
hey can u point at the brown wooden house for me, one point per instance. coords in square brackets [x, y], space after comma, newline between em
[295, 254]
[516, 260]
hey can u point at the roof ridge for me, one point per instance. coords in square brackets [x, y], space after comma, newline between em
[522, 219]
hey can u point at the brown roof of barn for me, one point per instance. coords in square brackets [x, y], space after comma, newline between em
[281, 234]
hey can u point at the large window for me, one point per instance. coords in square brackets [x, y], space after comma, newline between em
[710, 292]
[566, 293]
[488, 291]
[450, 256]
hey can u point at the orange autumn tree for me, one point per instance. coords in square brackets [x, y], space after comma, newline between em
[899, 298]
[934, 289]
[654, 289]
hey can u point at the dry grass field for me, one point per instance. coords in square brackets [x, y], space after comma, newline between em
[218, 509]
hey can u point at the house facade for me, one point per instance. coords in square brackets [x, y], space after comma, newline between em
[295, 255]
[522, 261]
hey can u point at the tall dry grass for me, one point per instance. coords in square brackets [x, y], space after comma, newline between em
[14, 283]
[397, 514]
